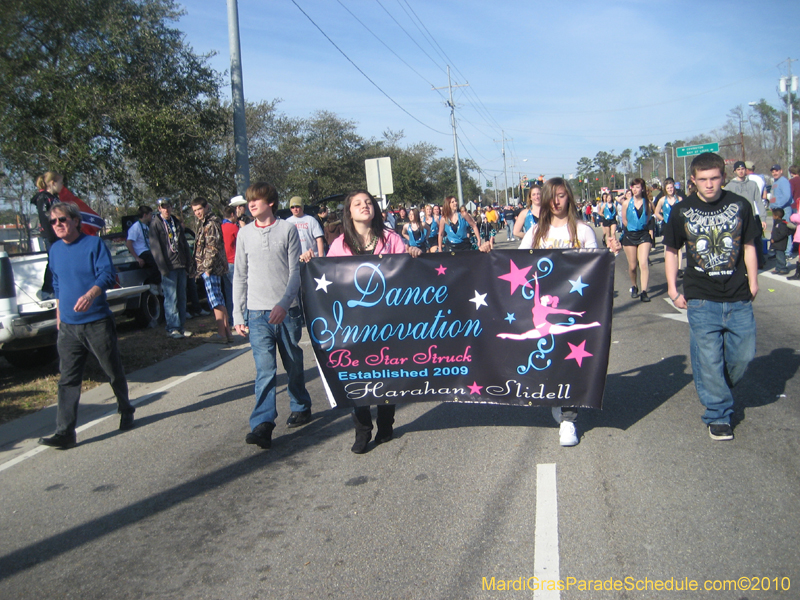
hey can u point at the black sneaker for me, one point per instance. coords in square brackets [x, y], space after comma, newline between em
[59, 440]
[644, 297]
[720, 431]
[680, 273]
[634, 292]
[296, 419]
[261, 436]
[126, 421]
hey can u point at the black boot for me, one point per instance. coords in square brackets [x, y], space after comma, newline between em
[385, 421]
[363, 424]
[796, 274]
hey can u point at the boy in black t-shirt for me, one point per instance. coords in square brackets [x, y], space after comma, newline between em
[720, 283]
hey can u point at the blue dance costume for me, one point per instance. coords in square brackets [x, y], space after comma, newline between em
[530, 221]
[417, 239]
[457, 238]
[636, 231]
[609, 214]
[666, 209]
[433, 236]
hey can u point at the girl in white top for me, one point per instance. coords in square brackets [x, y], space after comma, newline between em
[560, 226]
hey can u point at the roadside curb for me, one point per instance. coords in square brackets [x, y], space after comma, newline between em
[19, 437]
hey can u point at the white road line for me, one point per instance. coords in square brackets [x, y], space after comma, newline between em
[781, 278]
[134, 402]
[679, 316]
[545, 538]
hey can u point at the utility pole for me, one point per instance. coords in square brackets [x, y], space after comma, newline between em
[452, 106]
[789, 84]
[495, 190]
[237, 97]
[505, 170]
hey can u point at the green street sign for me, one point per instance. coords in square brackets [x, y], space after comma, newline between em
[695, 150]
[488, 184]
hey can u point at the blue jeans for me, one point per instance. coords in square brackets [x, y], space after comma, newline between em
[510, 230]
[174, 286]
[263, 339]
[780, 260]
[723, 342]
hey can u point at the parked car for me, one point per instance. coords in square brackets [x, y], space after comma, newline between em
[144, 307]
[28, 330]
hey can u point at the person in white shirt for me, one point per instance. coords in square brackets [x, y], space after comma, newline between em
[560, 227]
[311, 235]
[752, 176]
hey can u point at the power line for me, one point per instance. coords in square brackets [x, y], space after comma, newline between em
[377, 37]
[427, 38]
[471, 144]
[392, 100]
[434, 44]
[408, 34]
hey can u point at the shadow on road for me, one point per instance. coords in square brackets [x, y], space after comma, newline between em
[325, 424]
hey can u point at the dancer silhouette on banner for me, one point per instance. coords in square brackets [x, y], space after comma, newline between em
[542, 308]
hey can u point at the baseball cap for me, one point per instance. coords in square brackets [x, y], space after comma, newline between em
[749, 164]
[776, 168]
[237, 201]
[295, 201]
[739, 163]
[163, 202]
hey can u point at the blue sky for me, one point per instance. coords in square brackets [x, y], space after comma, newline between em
[562, 79]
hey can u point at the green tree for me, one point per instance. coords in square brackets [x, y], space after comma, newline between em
[442, 176]
[584, 168]
[108, 93]
[605, 162]
[410, 167]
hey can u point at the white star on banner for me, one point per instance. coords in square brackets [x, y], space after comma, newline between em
[322, 283]
[479, 300]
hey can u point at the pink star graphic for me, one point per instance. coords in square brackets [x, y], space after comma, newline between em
[475, 388]
[578, 353]
[516, 277]
[441, 270]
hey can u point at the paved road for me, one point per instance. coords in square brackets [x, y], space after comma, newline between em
[180, 507]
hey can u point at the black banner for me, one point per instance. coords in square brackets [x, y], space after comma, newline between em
[506, 327]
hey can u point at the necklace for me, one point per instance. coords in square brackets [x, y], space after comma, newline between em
[369, 246]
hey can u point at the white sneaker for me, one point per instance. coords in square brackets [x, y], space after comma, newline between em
[187, 334]
[567, 434]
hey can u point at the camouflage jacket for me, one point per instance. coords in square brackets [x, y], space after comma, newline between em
[209, 248]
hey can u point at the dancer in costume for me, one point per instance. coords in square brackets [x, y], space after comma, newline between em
[636, 240]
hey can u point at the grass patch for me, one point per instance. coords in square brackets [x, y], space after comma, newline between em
[23, 391]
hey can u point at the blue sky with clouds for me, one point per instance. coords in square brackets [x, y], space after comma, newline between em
[562, 79]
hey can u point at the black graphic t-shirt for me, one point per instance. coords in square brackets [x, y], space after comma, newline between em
[714, 234]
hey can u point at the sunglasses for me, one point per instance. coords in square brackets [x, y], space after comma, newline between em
[59, 220]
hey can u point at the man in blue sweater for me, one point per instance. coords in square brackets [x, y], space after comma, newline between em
[82, 272]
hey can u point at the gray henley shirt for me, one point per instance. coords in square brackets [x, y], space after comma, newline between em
[267, 268]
